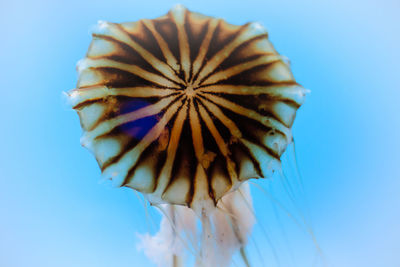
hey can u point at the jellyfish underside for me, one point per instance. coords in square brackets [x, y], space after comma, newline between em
[185, 108]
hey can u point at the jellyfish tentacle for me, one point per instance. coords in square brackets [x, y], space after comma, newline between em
[232, 220]
[207, 246]
[163, 209]
[117, 32]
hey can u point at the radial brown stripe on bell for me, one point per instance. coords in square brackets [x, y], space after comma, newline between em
[166, 175]
[184, 107]
[167, 53]
[204, 45]
[179, 15]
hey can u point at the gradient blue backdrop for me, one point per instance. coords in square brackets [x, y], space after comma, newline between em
[53, 210]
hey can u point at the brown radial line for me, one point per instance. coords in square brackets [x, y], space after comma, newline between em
[131, 156]
[248, 145]
[262, 104]
[277, 91]
[134, 69]
[234, 130]
[292, 95]
[160, 164]
[111, 160]
[171, 60]
[130, 49]
[224, 53]
[234, 70]
[107, 126]
[197, 139]
[228, 123]
[207, 139]
[198, 62]
[239, 53]
[290, 102]
[123, 36]
[196, 132]
[85, 104]
[219, 140]
[172, 148]
[100, 92]
[157, 64]
[248, 136]
[253, 159]
[251, 114]
[185, 163]
[179, 17]
[193, 169]
[131, 172]
[217, 112]
[162, 156]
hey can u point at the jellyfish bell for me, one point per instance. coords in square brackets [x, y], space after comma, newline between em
[185, 108]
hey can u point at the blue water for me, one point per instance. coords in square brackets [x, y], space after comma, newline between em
[54, 212]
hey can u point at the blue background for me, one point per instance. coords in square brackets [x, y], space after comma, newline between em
[53, 210]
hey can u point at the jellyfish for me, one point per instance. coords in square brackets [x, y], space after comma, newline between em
[185, 108]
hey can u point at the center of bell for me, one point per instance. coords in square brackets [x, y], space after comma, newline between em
[190, 91]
